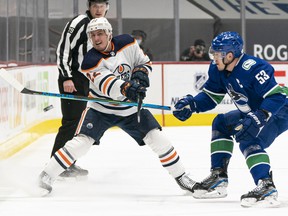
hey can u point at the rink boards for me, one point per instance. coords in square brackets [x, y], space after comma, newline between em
[23, 120]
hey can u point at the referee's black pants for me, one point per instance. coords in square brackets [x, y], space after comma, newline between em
[71, 110]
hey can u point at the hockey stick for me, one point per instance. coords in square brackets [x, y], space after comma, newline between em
[140, 102]
[17, 85]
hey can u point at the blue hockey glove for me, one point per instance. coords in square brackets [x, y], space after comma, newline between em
[249, 127]
[184, 108]
[140, 74]
[133, 91]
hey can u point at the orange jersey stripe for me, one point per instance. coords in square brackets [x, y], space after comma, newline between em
[64, 158]
[169, 158]
[106, 84]
[81, 120]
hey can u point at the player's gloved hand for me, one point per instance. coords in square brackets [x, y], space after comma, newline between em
[184, 108]
[249, 127]
[133, 90]
[140, 75]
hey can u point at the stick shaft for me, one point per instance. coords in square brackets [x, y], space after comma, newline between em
[16, 84]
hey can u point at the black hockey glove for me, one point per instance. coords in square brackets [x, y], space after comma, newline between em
[140, 75]
[185, 107]
[249, 127]
[133, 90]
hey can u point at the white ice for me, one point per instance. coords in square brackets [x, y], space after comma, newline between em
[125, 179]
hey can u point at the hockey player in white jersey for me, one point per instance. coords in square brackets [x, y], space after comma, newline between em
[119, 70]
[261, 117]
[70, 51]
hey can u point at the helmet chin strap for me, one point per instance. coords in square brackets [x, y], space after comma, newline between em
[226, 65]
[109, 42]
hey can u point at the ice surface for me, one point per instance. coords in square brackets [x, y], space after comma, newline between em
[128, 180]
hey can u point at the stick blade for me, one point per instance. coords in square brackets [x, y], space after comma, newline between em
[5, 75]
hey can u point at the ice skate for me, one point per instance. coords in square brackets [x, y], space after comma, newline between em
[73, 172]
[214, 186]
[264, 195]
[185, 182]
[45, 183]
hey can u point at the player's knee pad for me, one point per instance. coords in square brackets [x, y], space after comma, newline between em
[157, 142]
[218, 127]
[79, 145]
[219, 123]
[221, 128]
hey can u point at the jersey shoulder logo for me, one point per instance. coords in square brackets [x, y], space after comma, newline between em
[248, 64]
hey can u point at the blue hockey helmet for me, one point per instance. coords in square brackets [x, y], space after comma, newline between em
[228, 42]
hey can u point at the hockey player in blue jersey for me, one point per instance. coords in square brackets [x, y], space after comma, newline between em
[261, 116]
[117, 69]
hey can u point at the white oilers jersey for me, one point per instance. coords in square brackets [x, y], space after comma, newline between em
[108, 71]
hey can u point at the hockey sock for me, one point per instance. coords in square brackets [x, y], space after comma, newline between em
[171, 161]
[168, 156]
[53, 168]
[66, 156]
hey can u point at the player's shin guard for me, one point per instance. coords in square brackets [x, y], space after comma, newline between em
[66, 156]
[171, 161]
[169, 158]
[63, 159]
[167, 154]
[216, 183]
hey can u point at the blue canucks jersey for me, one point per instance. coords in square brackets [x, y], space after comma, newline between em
[251, 85]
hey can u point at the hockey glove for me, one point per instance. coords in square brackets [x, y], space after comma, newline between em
[249, 127]
[133, 91]
[184, 108]
[140, 75]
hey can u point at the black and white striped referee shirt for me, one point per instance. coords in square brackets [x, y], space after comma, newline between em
[73, 45]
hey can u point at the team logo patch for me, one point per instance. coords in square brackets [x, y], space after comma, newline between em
[248, 64]
[122, 72]
[89, 125]
[70, 30]
[239, 99]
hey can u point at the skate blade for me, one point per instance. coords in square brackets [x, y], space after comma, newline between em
[42, 192]
[72, 178]
[187, 193]
[268, 202]
[215, 194]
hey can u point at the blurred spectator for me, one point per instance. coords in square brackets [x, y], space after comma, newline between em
[140, 37]
[196, 52]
